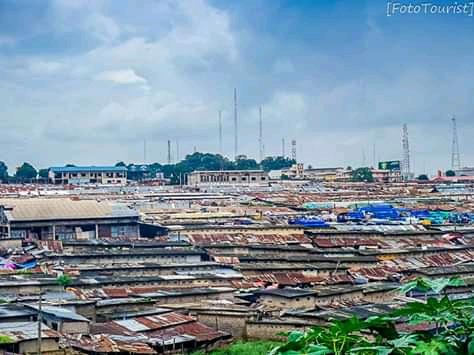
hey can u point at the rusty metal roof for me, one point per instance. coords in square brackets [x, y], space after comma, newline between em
[20, 331]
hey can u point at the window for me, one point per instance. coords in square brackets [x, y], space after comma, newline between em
[254, 178]
[244, 178]
[264, 178]
[234, 179]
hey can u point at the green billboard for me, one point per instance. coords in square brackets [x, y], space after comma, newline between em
[389, 165]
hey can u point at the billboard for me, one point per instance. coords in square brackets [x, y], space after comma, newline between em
[389, 165]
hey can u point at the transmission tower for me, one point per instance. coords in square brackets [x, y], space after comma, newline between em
[455, 156]
[293, 149]
[406, 153]
[260, 134]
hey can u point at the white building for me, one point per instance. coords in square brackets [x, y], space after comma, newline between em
[228, 177]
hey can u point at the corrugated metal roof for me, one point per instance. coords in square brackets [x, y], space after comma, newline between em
[62, 208]
[20, 331]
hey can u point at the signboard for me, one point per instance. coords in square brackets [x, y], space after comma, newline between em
[389, 165]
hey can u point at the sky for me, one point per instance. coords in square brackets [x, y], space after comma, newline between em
[87, 82]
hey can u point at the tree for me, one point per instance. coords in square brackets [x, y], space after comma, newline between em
[423, 177]
[70, 166]
[26, 172]
[243, 163]
[450, 173]
[276, 163]
[121, 163]
[3, 172]
[43, 173]
[362, 175]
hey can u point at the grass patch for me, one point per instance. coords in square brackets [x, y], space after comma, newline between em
[243, 347]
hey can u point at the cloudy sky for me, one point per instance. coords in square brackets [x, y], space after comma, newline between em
[87, 82]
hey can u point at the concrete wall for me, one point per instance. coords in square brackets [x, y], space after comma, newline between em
[234, 324]
[270, 330]
[30, 346]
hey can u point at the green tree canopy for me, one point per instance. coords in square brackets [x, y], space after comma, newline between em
[423, 177]
[26, 172]
[362, 175]
[243, 163]
[276, 163]
[121, 163]
[3, 171]
[43, 173]
[450, 173]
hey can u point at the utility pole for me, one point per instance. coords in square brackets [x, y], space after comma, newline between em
[40, 322]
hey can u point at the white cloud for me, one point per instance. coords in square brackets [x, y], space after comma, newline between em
[125, 76]
[102, 27]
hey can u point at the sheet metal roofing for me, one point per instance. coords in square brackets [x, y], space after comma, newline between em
[89, 169]
[38, 209]
[21, 331]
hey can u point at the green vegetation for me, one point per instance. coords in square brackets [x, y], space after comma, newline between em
[450, 173]
[64, 280]
[208, 161]
[243, 347]
[362, 175]
[26, 172]
[5, 339]
[3, 172]
[444, 326]
[423, 177]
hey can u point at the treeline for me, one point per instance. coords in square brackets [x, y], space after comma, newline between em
[24, 173]
[175, 172]
[207, 161]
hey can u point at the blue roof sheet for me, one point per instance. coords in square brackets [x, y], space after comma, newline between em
[78, 169]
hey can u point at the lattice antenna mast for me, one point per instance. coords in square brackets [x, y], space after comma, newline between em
[177, 151]
[169, 152]
[236, 127]
[293, 149]
[260, 134]
[220, 132]
[455, 156]
[406, 153]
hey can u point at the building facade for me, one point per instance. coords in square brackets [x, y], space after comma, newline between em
[65, 219]
[228, 177]
[78, 175]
